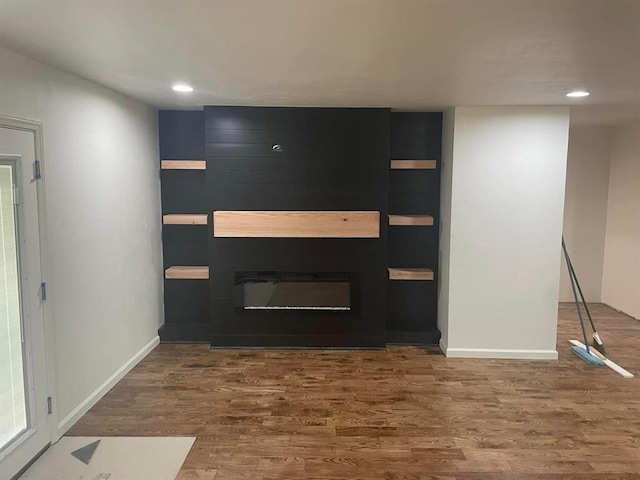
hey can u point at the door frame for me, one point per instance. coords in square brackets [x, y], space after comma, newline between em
[35, 128]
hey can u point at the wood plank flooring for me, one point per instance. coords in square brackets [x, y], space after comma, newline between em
[407, 413]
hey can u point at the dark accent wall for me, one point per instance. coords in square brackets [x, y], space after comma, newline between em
[184, 191]
[331, 159]
[412, 305]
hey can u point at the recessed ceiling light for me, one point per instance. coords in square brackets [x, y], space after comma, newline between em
[578, 94]
[182, 88]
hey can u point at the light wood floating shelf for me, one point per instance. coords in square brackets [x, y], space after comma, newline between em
[183, 165]
[410, 274]
[411, 220]
[413, 164]
[187, 273]
[184, 219]
[301, 224]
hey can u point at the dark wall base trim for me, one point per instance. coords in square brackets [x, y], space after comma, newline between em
[297, 341]
[213, 347]
[185, 333]
[414, 338]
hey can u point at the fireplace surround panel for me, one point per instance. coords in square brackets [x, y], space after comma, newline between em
[316, 205]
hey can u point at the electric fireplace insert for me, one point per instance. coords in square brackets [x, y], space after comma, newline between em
[298, 291]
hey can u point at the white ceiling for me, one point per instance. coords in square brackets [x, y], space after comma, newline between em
[405, 54]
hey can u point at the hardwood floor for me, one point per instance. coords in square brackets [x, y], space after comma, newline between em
[403, 414]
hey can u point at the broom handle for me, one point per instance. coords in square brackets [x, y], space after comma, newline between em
[575, 296]
[572, 272]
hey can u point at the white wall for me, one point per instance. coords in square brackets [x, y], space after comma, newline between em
[621, 278]
[585, 208]
[507, 198]
[103, 212]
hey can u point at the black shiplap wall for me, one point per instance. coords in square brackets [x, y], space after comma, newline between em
[181, 135]
[332, 159]
[412, 305]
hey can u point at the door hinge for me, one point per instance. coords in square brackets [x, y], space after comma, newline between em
[49, 405]
[37, 172]
[16, 195]
[43, 290]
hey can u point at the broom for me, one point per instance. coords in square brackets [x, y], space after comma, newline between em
[597, 341]
[584, 354]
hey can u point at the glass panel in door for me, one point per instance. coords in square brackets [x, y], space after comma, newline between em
[13, 405]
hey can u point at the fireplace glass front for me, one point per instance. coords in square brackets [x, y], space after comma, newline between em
[293, 291]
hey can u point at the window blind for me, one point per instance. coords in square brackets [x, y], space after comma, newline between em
[13, 417]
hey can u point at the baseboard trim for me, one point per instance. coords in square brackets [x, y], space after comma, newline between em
[297, 341]
[102, 390]
[443, 345]
[185, 332]
[399, 337]
[499, 353]
[620, 311]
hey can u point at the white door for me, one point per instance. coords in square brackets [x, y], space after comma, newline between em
[24, 429]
